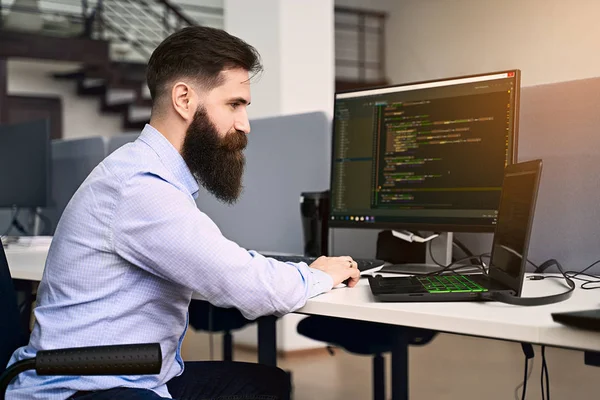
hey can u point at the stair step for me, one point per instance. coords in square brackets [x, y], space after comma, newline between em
[91, 91]
[139, 114]
[93, 82]
[143, 103]
[70, 75]
[114, 108]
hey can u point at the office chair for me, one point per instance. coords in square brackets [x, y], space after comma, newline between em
[203, 316]
[369, 338]
[136, 359]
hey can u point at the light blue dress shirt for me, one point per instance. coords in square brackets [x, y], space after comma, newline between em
[128, 252]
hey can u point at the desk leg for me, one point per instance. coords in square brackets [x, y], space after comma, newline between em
[400, 365]
[592, 358]
[267, 340]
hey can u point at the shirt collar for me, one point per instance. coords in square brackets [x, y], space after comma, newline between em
[170, 157]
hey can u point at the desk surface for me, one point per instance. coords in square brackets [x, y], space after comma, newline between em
[490, 319]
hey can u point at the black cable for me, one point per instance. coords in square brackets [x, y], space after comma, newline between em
[449, 266]
[545, 380]
[458, 268]
[542, 388]
[17, 224]
[529, 354]
[462, 247]
[429, 246]
[525, 377]
[588, 284]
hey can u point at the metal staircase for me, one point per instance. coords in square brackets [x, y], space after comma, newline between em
[132, 29]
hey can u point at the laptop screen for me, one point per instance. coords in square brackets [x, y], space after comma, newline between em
[515, 217]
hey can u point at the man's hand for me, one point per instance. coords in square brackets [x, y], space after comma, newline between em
[339, 268]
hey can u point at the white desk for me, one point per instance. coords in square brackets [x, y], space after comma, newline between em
[26, 262]
[490, 319]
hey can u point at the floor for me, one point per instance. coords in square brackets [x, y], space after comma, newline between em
[451, 367]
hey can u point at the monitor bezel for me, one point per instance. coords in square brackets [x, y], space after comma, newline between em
[435, 227]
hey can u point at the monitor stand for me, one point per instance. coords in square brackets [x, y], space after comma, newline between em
[441, 247]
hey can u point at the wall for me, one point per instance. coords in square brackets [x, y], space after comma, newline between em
[298, 62]
[81, 116]
[265, 37]
[549, 40]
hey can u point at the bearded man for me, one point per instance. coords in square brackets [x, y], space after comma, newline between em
[132, 246]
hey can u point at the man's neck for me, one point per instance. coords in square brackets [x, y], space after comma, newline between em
[169, 132]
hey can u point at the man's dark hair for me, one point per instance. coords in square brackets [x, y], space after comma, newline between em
[199, 53]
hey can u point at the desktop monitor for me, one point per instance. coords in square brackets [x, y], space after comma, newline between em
[25, 164]
[424, 156]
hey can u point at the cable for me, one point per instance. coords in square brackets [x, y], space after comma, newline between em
[449, 266]
[429, 246]
[526, 376]
[545, 380]
[587, 283]
[456, 242]
[458, 268]
[593, 282]
[529, 354]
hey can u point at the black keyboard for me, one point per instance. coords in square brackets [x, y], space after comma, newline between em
[450, 284]
[364, 264]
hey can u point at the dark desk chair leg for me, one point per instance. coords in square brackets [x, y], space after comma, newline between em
[267, 341]
[592, 358]
[227, 346]
[378, 377]
[400, 366]
[26, 298]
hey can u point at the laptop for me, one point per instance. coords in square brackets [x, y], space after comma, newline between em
[508, 258]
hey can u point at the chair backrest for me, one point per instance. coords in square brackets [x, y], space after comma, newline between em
[72, 162]
[11, 336]
[114, 142]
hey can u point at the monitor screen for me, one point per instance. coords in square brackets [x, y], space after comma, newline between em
[25, 164]
[424, 156]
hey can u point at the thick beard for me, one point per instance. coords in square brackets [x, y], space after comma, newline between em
[216, 162]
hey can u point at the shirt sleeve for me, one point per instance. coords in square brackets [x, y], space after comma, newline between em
[158, 227]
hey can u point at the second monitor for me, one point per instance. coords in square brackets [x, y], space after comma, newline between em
[424, 156]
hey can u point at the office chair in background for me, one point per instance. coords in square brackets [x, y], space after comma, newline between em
[369, 338]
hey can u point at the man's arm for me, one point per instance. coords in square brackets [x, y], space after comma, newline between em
[158, 228]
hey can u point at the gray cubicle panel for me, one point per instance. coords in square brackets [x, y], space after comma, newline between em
[72, 162]
[560, 123]
[286, 155]
[114, 142]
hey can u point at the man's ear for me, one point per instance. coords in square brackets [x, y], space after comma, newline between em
[183, 100]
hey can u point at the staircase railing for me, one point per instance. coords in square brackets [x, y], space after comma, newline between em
[133, 27]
